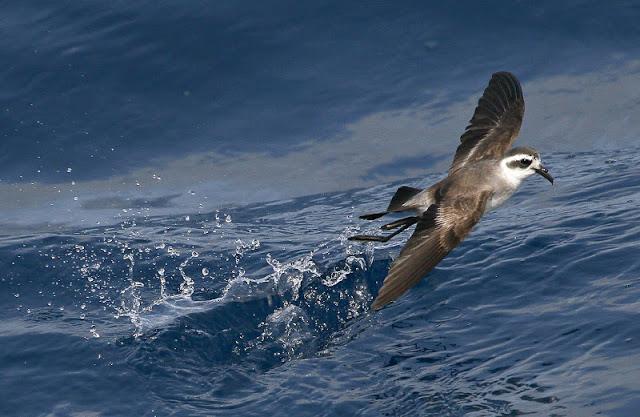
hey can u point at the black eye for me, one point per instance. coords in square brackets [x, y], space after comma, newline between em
[525, 162]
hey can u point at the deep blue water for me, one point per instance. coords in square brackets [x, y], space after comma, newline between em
[264, 310]
[178, 181]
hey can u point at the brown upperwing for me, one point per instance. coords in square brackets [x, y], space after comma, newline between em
[441, 229]
[495, 123]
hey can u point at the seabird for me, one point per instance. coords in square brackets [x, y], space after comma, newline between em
[483, 175]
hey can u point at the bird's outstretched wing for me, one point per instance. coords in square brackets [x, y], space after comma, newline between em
[440, 230]
[495, 122]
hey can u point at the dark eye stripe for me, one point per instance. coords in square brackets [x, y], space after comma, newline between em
[520, 163]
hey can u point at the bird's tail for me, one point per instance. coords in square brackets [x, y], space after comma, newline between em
[402, 195]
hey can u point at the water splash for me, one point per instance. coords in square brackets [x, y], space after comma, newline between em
[186, 286]
[288, 276]
[244, 247]
[164, 271]
[288, 327]
[339, 274]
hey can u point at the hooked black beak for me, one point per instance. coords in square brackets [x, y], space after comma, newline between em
[544, 172]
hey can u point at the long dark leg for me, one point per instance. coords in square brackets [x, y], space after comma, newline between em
[373, 216]
[408, 222]
[411, 220]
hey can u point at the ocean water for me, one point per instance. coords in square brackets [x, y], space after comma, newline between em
[178, 180]
[263, 309]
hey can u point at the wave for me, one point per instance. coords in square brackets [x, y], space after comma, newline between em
[226, 311]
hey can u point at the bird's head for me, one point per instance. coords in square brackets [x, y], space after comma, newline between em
[521, 162]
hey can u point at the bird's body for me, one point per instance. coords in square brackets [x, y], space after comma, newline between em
[483, 175]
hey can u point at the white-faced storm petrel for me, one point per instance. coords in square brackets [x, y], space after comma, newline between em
[483, 175]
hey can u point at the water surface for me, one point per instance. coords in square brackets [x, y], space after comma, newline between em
[264, 309]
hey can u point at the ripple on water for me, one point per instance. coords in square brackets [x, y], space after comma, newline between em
[536, 312]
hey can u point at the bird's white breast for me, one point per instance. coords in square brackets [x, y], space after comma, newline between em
[504, 185]
[499, 198]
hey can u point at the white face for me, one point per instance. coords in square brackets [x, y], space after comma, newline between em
[518, 167]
